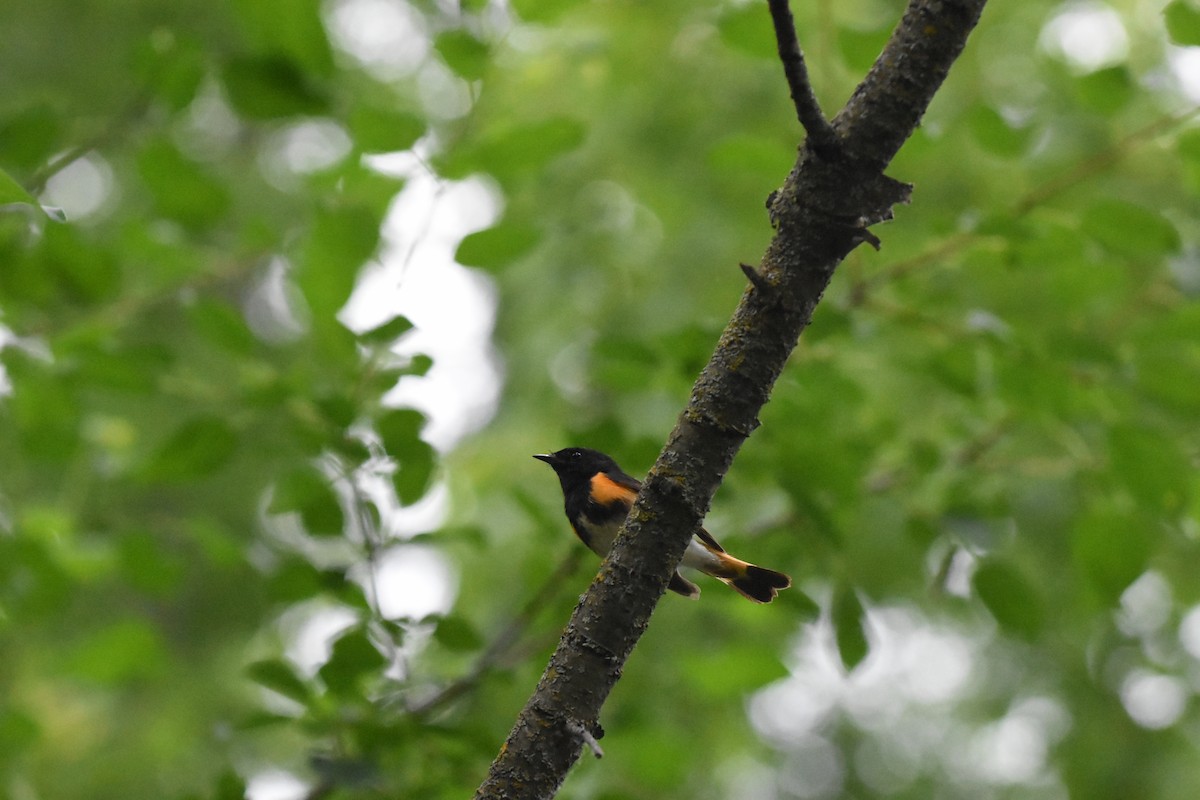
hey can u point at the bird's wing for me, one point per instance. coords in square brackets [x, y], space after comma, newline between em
[614, 487]
[708, 540]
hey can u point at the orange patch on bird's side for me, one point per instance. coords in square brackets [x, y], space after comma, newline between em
[606, 491]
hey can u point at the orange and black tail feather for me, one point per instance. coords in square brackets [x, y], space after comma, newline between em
[753, 582]
[759, 584]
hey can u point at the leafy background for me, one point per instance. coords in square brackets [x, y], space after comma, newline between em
[244, 542]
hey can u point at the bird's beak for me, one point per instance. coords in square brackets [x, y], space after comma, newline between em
[547, 457]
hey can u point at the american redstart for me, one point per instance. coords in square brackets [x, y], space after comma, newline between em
[598, 496]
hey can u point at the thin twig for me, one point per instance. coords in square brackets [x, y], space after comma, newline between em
[133, 110]
[934, 253]
[1033, 199]
[820, 133]
[1098, 162]
[752, 275]
[506, 638]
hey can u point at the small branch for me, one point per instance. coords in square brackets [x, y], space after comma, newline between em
[755, 279]
[820, 133]
[1088, 168]
[1100, 161]
[935, 253]
[132, 112]
[505, 640]
[863, 235]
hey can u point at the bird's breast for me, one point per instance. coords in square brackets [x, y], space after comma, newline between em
[598, 535]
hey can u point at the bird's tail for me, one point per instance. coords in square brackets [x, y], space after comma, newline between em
[755, 583]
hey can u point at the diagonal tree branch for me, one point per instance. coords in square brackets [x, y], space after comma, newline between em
[820, 214]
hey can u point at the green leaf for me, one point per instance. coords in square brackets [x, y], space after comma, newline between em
[414, 473]
[1130, 230]
[418, 365]
[182, 189]
[338, 409]
[295, 580]
[1010, 598]
[174, 67]
[308, 493]
[230, 786]
[84, 273]
[1168, 371]
[399, 429]
[353, 658]
[386, 334]
[13, 193]
[516, 150]
[197, 449]
[1151, 466]
[993, 133]
[279, 676]
[457, 634]
[378, 130]
[31, 137]
[355, 183]
[272, 87]
[1106, 91]
[463, 53]
[496, 248]
[1183, 23]
[132, 370]
[1188, 144]
[340, 242]
[290, 27]
[538, 143]
[222, 325]
[44, 408]
[1111, 549]
[849, 620]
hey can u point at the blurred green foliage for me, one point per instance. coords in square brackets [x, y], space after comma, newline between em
[981, 464]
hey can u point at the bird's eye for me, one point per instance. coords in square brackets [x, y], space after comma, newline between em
[576, 455]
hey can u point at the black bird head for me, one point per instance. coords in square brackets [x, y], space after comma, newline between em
[578, 463]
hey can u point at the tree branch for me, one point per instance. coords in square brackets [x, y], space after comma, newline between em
[820, 133]
[821, 211]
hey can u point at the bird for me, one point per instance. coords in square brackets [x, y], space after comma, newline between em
[597, 496]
